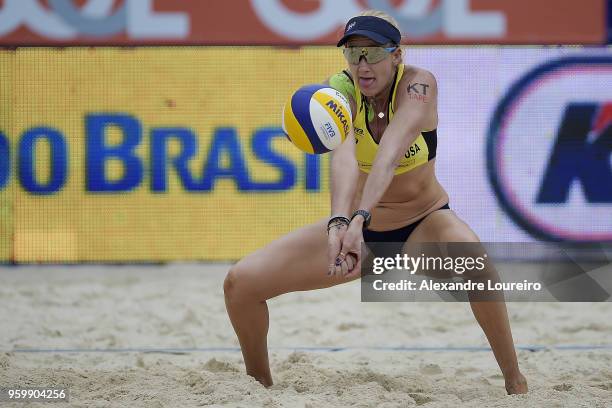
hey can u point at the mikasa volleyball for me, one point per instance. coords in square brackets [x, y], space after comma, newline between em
[316, 118]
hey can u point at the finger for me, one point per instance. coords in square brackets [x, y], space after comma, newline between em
[332, 253]
[336, 266]
[331, 269]
[344, 268]
[340, 258]
[347, 246]
[350, 262]
[337, 270]
[355, 272]
[341, 263]
[356, 269]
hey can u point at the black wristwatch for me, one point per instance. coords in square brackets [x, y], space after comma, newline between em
[366, 217]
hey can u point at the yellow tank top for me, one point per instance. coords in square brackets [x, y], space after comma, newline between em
[422, 149]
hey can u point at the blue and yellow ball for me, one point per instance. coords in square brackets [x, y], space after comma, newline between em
[316, 118]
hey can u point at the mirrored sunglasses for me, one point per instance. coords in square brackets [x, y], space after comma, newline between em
[372, 55]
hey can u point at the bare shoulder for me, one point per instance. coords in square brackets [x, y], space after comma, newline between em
[343, 83]
[413, 72]
[418, 94]
[419, 81]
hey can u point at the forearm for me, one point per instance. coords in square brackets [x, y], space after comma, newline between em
[344, 176]
[383, 168]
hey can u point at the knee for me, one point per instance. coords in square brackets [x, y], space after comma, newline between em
[236, 285]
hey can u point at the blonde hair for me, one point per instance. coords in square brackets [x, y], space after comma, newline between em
[383, 15]
[388, 19]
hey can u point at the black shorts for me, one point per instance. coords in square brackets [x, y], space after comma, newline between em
[389, 243]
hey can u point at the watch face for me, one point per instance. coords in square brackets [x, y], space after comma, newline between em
[366, 216]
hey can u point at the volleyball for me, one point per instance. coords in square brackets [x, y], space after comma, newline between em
[316, 118]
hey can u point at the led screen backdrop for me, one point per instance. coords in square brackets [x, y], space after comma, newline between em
[526, 142]
[296, 22]
[177, 154]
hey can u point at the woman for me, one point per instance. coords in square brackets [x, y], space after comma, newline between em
[382, 175]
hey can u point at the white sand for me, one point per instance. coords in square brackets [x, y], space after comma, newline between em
[181, 306]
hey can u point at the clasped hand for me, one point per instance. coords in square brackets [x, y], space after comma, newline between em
[344, 250]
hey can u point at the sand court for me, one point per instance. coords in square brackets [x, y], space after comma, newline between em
[158, 335]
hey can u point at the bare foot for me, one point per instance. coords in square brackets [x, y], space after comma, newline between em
[516, 385]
